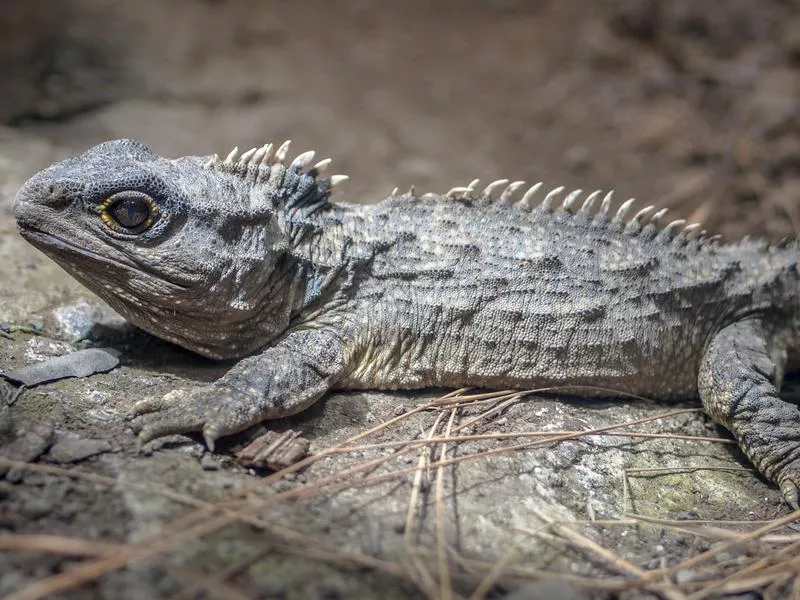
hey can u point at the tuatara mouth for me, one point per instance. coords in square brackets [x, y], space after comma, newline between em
[48, 241]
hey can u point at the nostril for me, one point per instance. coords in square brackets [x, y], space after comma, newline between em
[55, 196]
[47, 191]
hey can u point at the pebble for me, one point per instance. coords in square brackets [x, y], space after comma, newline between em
[29, 445]
[12, 581]
[547, 590]
[70, 450]
[331, 589]
[36, 508]
[7, 490]
[209, 463]
[83, 321]
[6, 422]
[685, 576]
[76, 364]
[75, 322]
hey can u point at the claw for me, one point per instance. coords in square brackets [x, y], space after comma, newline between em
[790, 494]
[211, 410]
[148, 405]
[159, 416]
[209, 441]
[165, 426]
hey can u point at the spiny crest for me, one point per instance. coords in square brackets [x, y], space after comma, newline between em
[268, 165]
[677, 230]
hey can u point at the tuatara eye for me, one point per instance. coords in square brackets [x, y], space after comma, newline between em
[128, 212]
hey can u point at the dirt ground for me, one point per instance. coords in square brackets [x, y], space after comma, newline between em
[684, 104]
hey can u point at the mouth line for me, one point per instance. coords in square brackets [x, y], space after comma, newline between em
[48, 240]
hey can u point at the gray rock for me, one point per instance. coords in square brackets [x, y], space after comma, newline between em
[7, 490]
[77, 364]
[69, 450]
[36, 508]
[548, 590]
[6, 422]
[75, 322]
[209, 463]
[685, 576]
[29, 445]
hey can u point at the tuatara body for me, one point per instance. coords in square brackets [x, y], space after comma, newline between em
[246, 257]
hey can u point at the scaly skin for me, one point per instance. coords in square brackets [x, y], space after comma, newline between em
[248, 259]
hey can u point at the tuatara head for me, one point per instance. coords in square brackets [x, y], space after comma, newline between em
[193, 250]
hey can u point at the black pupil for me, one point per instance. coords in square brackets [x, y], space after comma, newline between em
[131, 212]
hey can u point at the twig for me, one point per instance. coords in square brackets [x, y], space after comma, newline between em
[445, 585]
[616, 561]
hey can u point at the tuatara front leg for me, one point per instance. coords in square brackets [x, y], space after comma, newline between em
[739, 377]
[282, 380]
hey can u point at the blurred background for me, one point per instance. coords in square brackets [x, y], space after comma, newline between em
[685, 103]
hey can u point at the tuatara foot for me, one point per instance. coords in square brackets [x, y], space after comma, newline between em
[208, 409]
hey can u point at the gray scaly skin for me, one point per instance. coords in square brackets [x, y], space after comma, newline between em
[247, 258]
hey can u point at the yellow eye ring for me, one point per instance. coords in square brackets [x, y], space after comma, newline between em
[128, 212]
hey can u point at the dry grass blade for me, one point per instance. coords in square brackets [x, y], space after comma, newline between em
[56, 544]
[448, 400]
[521, 574]
[445, 585]
[751, 584]
[424, 579]
[709, 554]
[686, 469]
[416, 486]
[331, 483]
[310, 460]
[220, 577]
[609, 557]
[91, 570]
[489, 413]
[420, 575]
[491, 577]
[745, 577]
[706, 529]
[109, 481]
[529, 434]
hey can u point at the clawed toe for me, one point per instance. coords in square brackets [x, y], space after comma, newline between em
[202, 409]
[790, 494]
[178, 412]
[210, 438]
[146, 406]
[167, 425]
[174, 399]
[171, 414]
